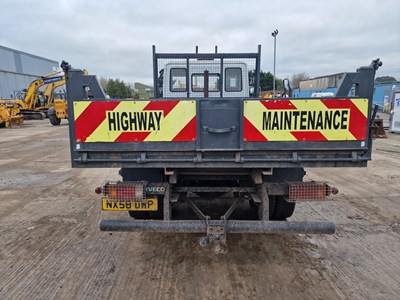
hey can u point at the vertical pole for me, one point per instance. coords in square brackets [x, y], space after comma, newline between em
[221, 79]
[257, 79]
[274, 34]
[155, 73]
[188, 88]
[206, 87]
[274, 63]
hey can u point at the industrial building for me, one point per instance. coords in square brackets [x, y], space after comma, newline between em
[144, 91]
[329, 84]
[18, 69]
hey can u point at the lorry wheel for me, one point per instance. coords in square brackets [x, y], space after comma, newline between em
[283, 209]
[272, 200]
[257, 208]
[155, 215]
[159, 214]
[139, 215]
[52, 117]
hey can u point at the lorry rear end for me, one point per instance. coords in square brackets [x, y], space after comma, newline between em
[207, 155]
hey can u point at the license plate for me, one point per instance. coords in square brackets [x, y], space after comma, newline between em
[146, 205]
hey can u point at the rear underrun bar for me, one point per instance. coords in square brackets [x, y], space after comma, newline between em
[232, 226]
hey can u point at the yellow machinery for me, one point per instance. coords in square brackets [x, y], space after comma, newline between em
[48, 93]
[4, 116]
[10, 115]
[60, 108]
[30, 107]
[58, 111]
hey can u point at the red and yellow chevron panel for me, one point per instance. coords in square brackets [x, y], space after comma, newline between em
[135, 121]
[305, 120]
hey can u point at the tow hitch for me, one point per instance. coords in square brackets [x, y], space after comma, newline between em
[216, 237]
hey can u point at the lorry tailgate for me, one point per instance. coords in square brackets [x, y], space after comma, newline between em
[220, 133]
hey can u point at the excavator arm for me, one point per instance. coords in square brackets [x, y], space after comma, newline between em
[31, 95]
[48, 91]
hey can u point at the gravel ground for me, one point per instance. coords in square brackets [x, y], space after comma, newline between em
[51, 247]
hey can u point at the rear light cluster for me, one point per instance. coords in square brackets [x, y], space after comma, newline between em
[123, 191]
[310, 191]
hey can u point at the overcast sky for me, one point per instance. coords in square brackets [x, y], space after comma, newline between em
[114, 38]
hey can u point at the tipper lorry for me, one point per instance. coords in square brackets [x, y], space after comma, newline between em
[207, 155]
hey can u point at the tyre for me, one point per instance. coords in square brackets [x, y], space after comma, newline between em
[257, 208]
[158, 214]
[283, 209]
[52, 117]
[155, 215]
[271, 206]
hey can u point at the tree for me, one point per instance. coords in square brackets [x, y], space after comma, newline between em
[103, 82]
[385, 79]
[266, 81]
[278, 84]
[297, 77]
[116, 88]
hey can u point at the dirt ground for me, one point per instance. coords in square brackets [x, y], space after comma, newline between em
[51, 247]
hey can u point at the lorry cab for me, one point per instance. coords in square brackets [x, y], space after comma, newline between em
[229, 80]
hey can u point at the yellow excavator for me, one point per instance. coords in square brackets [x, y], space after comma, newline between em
[60, 106]
[30, 107]
[48, 94]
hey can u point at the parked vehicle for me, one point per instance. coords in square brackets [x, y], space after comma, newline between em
[207, 155]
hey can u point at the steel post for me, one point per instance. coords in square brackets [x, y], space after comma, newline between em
[274, 34]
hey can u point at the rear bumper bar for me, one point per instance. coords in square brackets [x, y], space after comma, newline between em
[190, 226]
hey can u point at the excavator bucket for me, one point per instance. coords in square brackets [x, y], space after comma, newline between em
[4, 116]
[17, 120]
[10, 115]
[379, 131]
